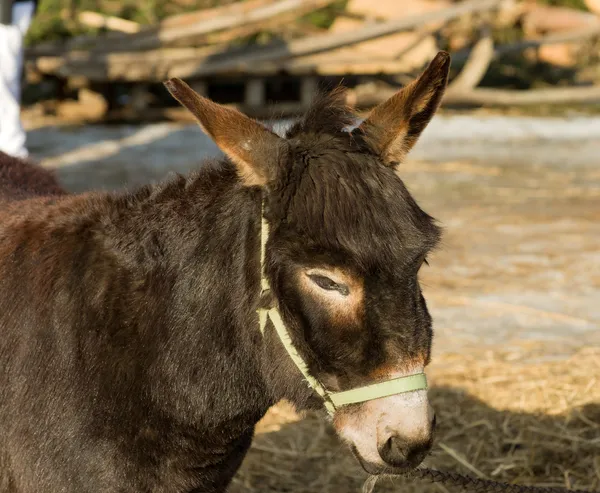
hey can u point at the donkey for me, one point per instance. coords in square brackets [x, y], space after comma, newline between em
[130, 352]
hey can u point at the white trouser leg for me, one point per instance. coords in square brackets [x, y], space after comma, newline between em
[12, 134]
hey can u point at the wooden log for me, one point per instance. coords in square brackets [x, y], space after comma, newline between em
[94, 19]
[477, 64]
[492, 97]
[544, 19]
[276, 25]
[563, 37]
[499, 97]
[385, 10]
[414, 48]
[189, 18]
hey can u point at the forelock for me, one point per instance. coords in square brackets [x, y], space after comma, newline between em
[328, 114]
[338, 195]
[351, 202]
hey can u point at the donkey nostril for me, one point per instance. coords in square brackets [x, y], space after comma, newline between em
[417, 453]
[393, 451]
[400, 452]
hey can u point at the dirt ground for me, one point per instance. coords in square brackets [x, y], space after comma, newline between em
[514, 292]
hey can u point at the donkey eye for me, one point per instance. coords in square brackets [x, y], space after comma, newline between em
[329, 285]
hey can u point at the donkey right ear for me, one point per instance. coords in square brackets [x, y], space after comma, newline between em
[394, 126]
[254, 149]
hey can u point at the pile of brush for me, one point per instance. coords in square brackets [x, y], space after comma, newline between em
[505, 52]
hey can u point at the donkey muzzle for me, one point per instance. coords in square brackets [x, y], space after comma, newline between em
[405, 452]
[390, 433]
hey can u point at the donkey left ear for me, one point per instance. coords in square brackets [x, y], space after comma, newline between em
[254, 149]
[395, 125]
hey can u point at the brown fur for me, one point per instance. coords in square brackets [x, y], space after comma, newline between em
[20, 179]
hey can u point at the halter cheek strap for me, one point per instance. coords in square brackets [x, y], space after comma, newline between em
[332, 400]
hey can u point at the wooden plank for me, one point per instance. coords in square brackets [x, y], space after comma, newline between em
[95, 19]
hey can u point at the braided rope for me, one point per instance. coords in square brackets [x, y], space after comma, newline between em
[479, 485]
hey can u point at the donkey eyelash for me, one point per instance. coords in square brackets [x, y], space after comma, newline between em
[426, 262]
[328, 285]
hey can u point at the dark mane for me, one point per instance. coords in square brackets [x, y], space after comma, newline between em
[327, 114]
[341, 203]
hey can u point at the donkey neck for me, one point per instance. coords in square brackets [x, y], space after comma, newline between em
[207, 227]
[168, 279]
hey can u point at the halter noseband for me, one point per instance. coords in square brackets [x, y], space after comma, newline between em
[332, 400]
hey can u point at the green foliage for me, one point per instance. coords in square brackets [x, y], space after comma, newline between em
[48, 23]
[324, 17]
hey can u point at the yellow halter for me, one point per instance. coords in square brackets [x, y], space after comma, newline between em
[332, 400]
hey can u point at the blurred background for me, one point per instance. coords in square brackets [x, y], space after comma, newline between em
[510, 167]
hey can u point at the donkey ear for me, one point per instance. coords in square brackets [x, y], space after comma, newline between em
[254, 149]
[395, 125]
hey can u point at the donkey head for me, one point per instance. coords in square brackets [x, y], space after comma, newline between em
[345, 247]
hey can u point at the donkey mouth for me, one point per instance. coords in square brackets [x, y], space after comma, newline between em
[377, 469]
